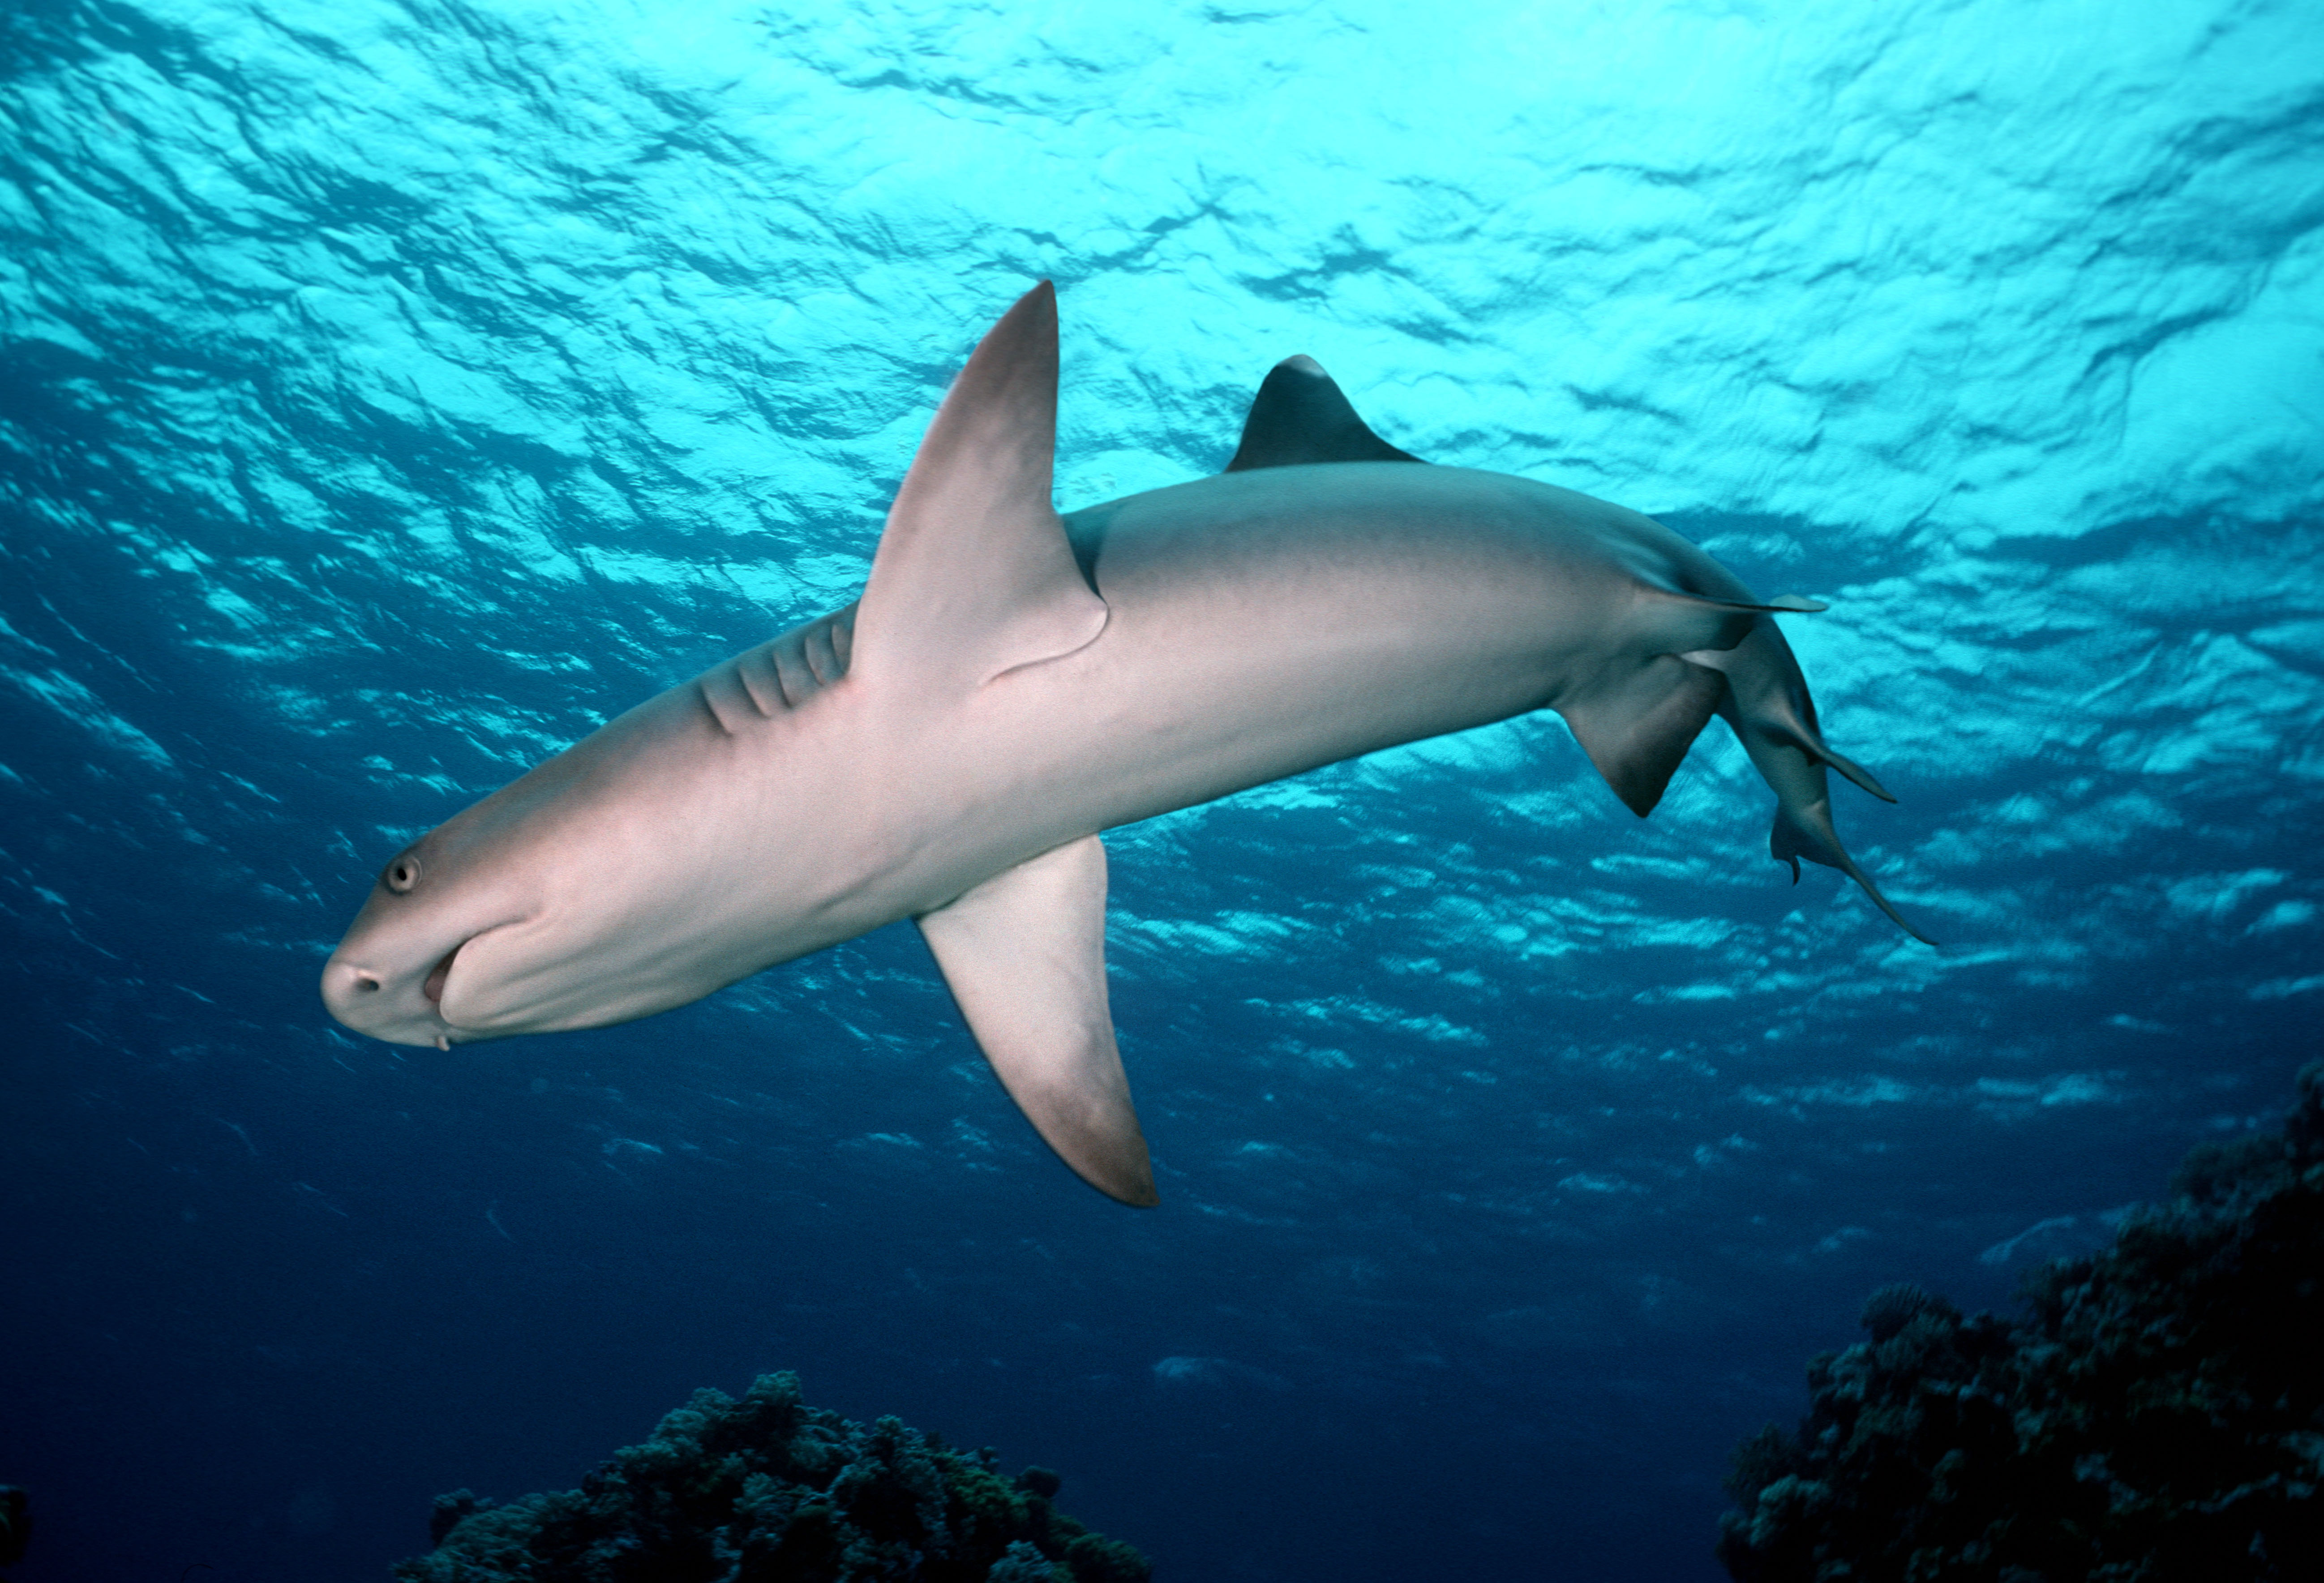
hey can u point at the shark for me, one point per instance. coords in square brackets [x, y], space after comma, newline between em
[1010, 683]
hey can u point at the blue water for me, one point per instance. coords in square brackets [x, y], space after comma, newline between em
[396, 389]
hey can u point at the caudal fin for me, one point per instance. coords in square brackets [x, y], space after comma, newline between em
[1767, 704]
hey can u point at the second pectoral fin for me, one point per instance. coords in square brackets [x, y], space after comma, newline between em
[1024, 955]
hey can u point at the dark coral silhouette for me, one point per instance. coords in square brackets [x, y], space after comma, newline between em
[15, 1523]
[2157, 1416]
[765, 1490]
[1889, 1310]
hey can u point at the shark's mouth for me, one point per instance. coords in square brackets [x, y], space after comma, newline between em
[469, 988]
[434, 988]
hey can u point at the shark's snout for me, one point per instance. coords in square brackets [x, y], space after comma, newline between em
[346, 987]
[371, 1001]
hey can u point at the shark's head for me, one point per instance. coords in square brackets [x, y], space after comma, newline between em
[572, 897]
[634, 873]
[417, 967]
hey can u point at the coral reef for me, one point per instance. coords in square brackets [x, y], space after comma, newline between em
[2157, 1415]
[15, 1523]
[765, 1490]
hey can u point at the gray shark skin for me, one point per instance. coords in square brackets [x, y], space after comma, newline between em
[1011, 683]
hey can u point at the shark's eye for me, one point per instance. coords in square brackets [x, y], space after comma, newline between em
[401, 875]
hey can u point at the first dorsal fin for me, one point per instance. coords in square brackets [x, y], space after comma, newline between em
[974, 575]
[1300, 416]
[1024, 955]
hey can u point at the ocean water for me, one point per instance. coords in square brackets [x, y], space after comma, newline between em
[394, 390]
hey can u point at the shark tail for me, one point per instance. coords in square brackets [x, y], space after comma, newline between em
[1637, 717]
[1765, 702]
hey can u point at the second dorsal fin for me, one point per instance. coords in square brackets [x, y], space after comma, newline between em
[1300, 416]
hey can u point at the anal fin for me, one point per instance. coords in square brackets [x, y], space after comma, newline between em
[1024, 955]
[1636, 729]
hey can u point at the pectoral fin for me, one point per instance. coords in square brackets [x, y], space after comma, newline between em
[974, 575]
[1024, 955]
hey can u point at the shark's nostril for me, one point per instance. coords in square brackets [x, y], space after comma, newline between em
[365, 982]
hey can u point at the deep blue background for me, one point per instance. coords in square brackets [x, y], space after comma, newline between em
[390, 392]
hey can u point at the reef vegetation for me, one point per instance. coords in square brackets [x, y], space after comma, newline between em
[15, 1524]
[2157, 1415]
[765, 1490]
